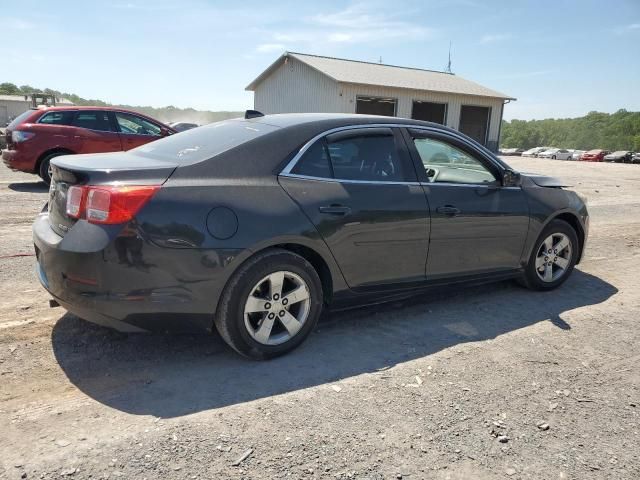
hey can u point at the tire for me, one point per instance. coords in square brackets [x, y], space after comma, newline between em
[553, 157]
[44, 171]
[242, 331]
[560, 269]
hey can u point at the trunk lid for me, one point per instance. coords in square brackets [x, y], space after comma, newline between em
[99, 169]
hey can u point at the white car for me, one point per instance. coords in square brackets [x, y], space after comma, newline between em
[556, 154]
[575, 155]
[532, 152]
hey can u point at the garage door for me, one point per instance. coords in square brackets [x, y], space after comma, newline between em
[376, 106]
[474, 122]
[429, 112]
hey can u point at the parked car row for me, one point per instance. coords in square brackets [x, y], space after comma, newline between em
[596, 155]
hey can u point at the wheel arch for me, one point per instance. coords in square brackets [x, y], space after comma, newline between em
[48, 152]
[573, 220]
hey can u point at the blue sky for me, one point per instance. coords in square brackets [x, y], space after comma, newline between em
[559, 58]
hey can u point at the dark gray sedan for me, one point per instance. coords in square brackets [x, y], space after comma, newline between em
[253, 226]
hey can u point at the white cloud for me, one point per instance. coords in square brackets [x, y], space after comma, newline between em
[358, 23]
[493, 38]
[270, 47]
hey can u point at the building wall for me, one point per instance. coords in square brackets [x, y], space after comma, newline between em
[294, 87]
[11, 109]
[348, 92]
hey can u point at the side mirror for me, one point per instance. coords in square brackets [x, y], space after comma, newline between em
[165, 132]
[511, 179]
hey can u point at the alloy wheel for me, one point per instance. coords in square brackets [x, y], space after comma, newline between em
[553, 257]
[277, 308]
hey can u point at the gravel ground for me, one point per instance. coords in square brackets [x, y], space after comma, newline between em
[481, 383]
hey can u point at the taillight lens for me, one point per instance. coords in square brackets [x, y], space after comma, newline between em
[108, 204]
[18, 136]
[75, 199]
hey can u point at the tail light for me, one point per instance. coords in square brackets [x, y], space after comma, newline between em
[18, 136]
[108, 204]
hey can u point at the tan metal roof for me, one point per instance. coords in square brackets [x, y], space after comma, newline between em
[365, 73]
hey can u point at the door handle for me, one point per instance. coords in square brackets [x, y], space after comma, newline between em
[335, 210]
[448, 210]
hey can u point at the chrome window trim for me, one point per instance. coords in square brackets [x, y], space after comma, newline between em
[286, 171]
[339, 180]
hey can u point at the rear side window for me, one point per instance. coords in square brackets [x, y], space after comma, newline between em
[367, 158]
[372, 156]
[20, 118]
[57, 118]
[93, 120]
[314, 162]
[203, 143]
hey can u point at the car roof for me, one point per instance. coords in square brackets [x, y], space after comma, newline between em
[74, 108]
[269, 153]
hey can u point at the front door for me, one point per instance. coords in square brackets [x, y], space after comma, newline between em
[135, 130]
[477, 225]
[359, 188]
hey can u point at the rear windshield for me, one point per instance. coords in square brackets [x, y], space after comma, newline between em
[19, 119]
[198, 144]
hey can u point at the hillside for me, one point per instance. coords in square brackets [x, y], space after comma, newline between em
[616, 131]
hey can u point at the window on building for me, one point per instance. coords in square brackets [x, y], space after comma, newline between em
[376, 106]
[429, 112]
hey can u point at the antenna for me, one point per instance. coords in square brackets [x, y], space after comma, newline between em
[448, 70]
[380, 59]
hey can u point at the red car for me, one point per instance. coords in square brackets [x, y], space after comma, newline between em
[36, 136]
[594, 155]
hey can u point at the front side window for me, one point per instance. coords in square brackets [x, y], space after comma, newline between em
[133, 124]
[57, 118]
[445, 163]
[93, 120]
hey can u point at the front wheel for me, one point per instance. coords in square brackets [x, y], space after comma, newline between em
[553, 258]
[270, 305]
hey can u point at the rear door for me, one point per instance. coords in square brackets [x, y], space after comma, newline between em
[477, 225]
[93, 132]
[135, 130]
[360, 190]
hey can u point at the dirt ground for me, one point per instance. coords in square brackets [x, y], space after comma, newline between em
[487, 382]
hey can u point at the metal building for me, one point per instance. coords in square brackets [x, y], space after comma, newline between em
[298, 82]
[13, 105]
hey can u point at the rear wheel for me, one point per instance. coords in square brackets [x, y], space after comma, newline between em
[270, 305]
[553, 157]
[553, 258]
[45, 166]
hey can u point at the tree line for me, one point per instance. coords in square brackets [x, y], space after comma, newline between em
[615, 131]
[164, 114]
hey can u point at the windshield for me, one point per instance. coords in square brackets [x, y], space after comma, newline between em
[198, 144]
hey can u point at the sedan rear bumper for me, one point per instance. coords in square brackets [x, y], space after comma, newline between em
[127, 287]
